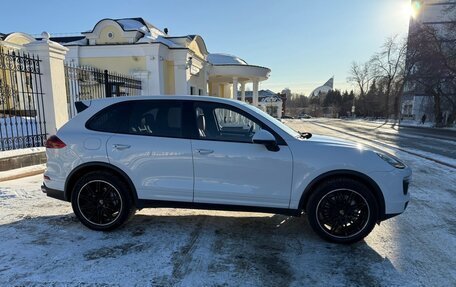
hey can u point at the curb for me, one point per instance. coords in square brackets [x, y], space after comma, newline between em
[22, 172]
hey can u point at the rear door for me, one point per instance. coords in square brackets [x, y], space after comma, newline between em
[148, 144]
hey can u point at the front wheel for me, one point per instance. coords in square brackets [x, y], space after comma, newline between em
[342, 211]
[101, 201]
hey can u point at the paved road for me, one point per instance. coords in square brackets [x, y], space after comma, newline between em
[438, 143]
[42, 243]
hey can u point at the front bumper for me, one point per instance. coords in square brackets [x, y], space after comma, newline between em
[54, 193]
[395, 189]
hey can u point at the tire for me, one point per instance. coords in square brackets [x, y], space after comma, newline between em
[342, 210]
[102, 201]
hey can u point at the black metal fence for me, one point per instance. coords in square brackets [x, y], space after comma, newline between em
[22, 119]
[87, 83]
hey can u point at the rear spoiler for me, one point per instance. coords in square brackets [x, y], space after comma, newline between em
[82, 105]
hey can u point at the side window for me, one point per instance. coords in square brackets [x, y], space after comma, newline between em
[156, 118]
[224, 124]
[153, 118]
[113, 119]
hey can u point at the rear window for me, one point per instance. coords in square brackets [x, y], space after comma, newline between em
[152, 118]
[113, 119]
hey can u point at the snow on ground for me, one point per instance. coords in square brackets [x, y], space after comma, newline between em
[19, 152]
[21, 172]
[25, 131]
[43, 244]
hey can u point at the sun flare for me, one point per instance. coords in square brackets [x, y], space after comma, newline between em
[411, 10]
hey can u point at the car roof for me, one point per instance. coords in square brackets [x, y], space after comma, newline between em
[168, 97]
[104, 102]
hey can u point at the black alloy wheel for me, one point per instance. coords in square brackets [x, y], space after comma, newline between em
[99, 202]
[342, 210]
[102, 201]
[342, 213]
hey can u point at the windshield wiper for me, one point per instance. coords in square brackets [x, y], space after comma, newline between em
[305, 135]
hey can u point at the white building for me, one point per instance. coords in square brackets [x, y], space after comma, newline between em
[173, 65]
[436, 15]
[268, 101]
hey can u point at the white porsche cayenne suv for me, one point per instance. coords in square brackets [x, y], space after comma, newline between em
[122, 154]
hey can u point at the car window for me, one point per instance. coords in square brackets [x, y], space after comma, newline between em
[222, 123]
[152, 118]
[111, 119]
[273, 120]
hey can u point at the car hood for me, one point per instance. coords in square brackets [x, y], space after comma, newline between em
[333, 141]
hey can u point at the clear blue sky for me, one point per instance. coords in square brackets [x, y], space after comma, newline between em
[303, 42]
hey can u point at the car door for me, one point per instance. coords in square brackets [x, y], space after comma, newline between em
[148, 144]
[229, 168]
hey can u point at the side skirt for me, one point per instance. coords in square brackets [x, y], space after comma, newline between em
[142, 203]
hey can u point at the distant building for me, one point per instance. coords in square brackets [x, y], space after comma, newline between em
[268, 101]
[324, 89]
[285, 95]
[433, 14]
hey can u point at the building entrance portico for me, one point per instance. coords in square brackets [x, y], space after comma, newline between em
[229, 74]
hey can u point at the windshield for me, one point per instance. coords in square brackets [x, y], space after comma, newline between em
[275, 121]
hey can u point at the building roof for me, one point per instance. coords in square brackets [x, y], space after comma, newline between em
[64, 39]
[129, 24]
[225, 59]
[324, 89]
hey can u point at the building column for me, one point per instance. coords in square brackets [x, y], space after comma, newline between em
[243, 91]
[180, 79]
[234, 95]
[279, 111]
[181, 73]
[221, 89]
[255, 93]
[52, 56]
[144, 76]
[205, 79]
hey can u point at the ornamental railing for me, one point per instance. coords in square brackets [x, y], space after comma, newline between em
[22, 119]
[87, 83]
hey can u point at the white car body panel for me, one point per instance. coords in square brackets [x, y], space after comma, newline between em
[242, 174]
[161, 168]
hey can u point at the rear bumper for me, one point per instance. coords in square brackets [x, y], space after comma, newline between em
[54, 193]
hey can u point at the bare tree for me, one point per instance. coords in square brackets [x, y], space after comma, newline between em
[433, 67]
[360, 76]
[388, 66]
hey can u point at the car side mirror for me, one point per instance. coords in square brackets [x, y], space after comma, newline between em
[267, 139]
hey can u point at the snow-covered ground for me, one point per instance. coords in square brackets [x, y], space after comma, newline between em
[25, 131]
[404, 123]
[20, 152]
[43, 244]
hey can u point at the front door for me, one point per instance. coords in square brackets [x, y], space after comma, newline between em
[229, 168]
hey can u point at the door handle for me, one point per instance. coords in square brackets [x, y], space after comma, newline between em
[204, 151]
[121, 146]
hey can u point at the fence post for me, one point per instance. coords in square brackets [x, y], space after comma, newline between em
[52, 56]
[107, 85]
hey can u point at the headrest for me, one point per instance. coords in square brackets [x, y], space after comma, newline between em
[201, 122]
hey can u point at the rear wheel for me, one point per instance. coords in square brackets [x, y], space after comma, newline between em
[101, 201]
[342, 210]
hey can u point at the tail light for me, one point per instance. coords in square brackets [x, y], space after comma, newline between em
[54, 142]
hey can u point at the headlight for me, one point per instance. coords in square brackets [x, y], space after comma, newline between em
[391, 160]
